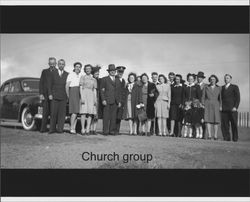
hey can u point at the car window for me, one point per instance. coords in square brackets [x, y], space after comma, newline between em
[15, 87]
[30, 85]
[6, 88]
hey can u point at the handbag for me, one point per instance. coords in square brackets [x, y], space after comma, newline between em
[142, 115]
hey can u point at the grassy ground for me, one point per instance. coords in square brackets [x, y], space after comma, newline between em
[24, 149]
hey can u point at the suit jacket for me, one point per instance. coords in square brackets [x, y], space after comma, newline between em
[110, 90]
[164, 91]
[202, 85]
[57, 85]
[44, 82]
[123, 90]
[230, 97]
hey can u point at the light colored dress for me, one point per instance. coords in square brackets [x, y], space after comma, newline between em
[129, 103]
[163, 100]
[88, 86]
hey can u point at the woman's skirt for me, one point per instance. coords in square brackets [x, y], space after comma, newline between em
[74, 100]
[175, 112]
[89, 106]
[161, 109]
[129, 108]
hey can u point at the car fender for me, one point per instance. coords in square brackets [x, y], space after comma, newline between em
[32, 102]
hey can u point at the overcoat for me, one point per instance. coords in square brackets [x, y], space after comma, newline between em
[150, 109]
[211, 99]
[136, 98]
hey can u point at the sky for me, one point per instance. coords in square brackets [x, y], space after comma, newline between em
[27, 54]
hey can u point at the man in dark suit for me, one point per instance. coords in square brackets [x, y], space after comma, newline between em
[57, 89]
[111, 100]
[120, 72]
[44, 92]
[171, 82]
[154, 126]
[230, 96]
[201, 84]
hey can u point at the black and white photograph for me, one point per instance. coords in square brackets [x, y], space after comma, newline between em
[125, 101]
[137, 101]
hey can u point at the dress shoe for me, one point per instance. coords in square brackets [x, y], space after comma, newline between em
[44, 131]
[51, 132]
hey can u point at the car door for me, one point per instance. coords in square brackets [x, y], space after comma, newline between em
[13, 99]
[4, 107]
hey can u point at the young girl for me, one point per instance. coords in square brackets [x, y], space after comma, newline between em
[197, 117]
[187, 119]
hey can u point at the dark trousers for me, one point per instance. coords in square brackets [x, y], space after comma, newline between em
[203, 125]
[58, 113]
[228, 118]
[154, 126]
[109, 118]
[118, 125]
[46, 112]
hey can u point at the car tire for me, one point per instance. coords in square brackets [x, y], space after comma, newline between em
[27, 119]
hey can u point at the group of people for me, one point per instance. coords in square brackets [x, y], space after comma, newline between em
[163, 106]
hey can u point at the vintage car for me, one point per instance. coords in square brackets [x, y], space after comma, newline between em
[20, 102]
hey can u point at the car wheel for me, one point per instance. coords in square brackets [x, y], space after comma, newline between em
[27, 119]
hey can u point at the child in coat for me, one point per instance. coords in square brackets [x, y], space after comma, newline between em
[197, 117]
[187, 119]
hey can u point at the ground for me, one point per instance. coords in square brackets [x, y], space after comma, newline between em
[31, 149]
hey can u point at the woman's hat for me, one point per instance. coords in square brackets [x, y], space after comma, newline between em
[95, 69]
[111, 67]
[201, 75]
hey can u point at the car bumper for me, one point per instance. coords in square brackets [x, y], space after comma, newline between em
[39, 114]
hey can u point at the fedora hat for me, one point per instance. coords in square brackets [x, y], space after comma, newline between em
[120, 68]
[111, 67]
[201, 75]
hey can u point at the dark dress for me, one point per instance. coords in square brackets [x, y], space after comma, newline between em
[176, 101]
[150, 108]
[134, 98]
[197, 116]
